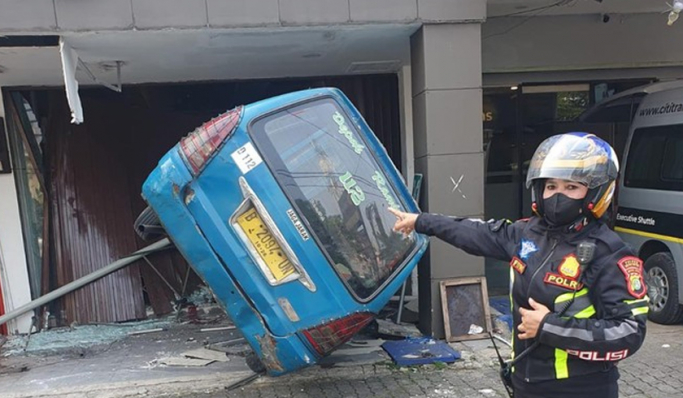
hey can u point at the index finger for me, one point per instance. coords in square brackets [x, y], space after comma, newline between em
[394, 212]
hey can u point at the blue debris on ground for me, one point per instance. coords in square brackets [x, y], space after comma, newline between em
[420, 351]
[502, 305]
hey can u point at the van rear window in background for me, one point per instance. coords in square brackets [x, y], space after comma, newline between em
[326, 169]
[655, 158]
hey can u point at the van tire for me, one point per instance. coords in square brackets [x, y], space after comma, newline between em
[662, 282]
[148, 226]
[255, 363]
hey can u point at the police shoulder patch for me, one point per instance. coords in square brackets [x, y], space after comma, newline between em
[632, 268]
[518, 265]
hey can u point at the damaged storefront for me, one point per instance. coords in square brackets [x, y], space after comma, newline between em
[79, 185]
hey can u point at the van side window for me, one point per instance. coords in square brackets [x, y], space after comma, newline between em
[672, 169]
[655, 158]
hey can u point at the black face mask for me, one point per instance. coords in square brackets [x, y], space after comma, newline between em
[560, 209]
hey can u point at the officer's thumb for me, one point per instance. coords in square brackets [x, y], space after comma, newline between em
[534, 304]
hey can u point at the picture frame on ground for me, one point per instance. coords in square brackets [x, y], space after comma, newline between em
[466, 313]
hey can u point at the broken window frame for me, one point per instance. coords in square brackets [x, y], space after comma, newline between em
[30, 184]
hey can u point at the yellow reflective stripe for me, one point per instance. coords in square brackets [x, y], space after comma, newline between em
[648, 234]
[638, 307]
[640, 311]
[586, 312]
[568, 296]
[512, 337]
[564, 297]
[561, 370]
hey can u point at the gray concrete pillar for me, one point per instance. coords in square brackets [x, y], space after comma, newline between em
[448, 141]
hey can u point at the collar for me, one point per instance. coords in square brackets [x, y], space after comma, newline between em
[578, 225]
[575, 231]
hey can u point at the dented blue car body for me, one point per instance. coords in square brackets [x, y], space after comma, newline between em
[281, 208]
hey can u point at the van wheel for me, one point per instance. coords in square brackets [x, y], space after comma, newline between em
[662, 289]
[254, 363]
[148, 226]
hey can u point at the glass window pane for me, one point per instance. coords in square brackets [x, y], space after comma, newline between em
[655, 158]
[570, 105]
[673, 159]
[325, 167]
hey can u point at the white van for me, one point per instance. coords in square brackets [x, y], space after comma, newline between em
[650, 193]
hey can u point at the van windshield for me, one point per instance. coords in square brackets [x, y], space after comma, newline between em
[322, 162]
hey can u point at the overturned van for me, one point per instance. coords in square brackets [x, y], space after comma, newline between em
[281, 207]
[650, 192]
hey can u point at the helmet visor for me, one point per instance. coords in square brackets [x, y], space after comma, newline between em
[578, 157]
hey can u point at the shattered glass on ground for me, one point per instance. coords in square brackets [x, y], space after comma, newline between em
[79, 337]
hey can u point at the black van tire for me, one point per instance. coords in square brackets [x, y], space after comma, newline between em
[662, 282]
[254, 363]
[148, 226]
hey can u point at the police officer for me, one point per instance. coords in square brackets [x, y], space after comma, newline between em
[576, 313]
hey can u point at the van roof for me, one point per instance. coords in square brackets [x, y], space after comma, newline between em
[621, 107]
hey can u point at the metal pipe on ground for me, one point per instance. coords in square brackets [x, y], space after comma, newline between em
[90, 278]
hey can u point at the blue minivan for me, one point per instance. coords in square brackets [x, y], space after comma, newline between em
[281, 208]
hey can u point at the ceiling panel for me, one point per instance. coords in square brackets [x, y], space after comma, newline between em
[210, 54]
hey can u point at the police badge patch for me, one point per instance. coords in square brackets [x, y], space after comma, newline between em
[632, 268]
[570, 267]
[527, 249]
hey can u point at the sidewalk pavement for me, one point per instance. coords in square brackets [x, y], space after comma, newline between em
[655, 371]
[133, 366]
[146, 359]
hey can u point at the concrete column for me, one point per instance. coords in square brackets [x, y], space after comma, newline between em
[448, 142]
[13, 269]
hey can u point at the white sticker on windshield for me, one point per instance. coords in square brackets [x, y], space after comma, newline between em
[246, 157]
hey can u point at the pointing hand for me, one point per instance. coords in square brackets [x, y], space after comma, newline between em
[405, 222]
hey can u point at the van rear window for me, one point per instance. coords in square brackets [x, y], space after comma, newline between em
[323, 164]
[655, 158]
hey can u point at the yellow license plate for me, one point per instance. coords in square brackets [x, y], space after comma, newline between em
[265, 244]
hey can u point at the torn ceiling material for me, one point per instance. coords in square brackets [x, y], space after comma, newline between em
[69, 64]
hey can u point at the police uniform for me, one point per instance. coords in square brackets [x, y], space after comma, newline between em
[605, 322]
[598, 307]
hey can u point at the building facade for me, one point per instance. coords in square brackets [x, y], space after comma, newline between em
[459, 91]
